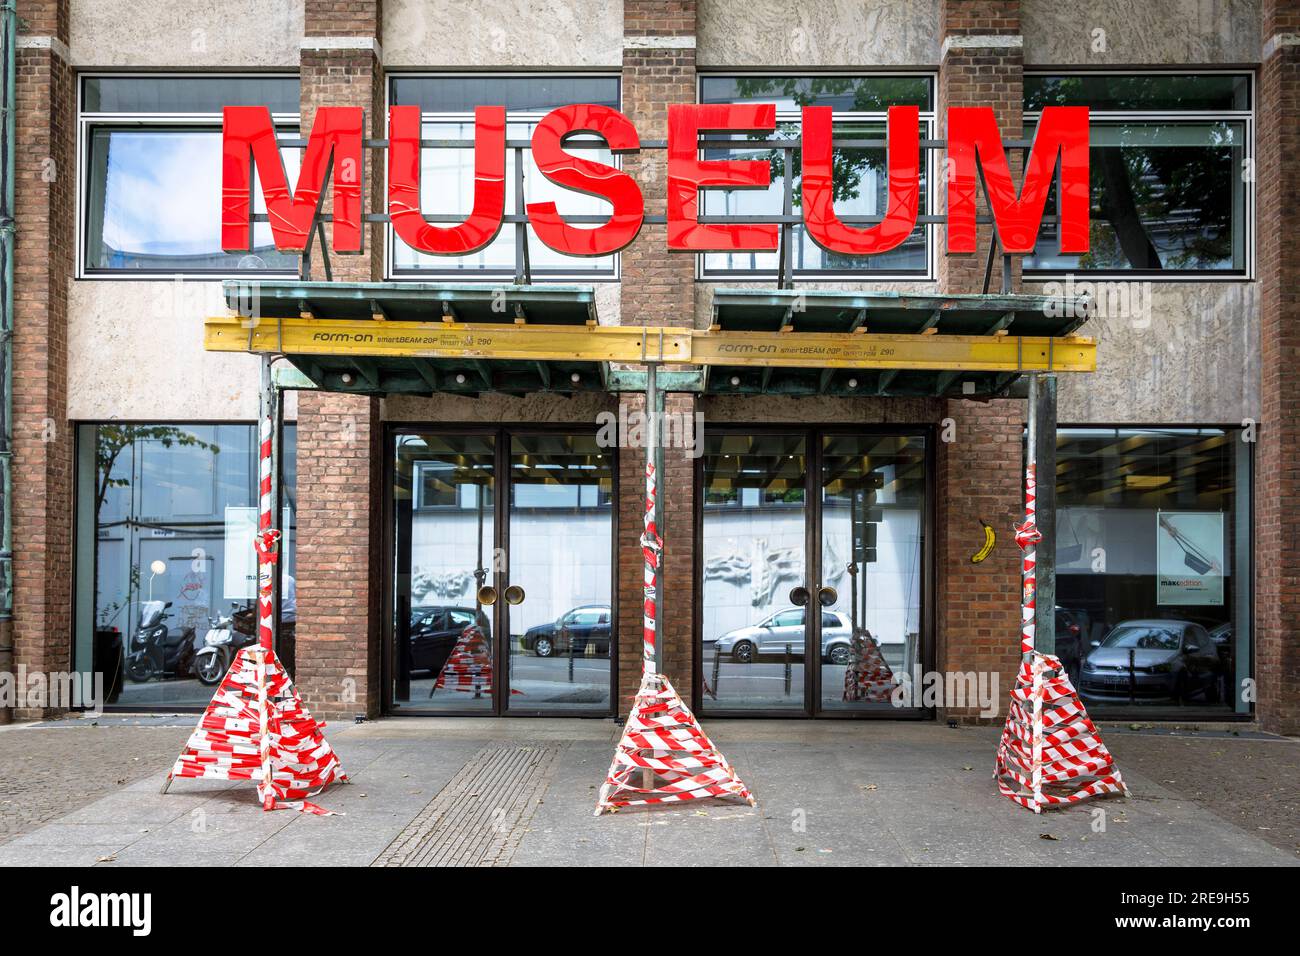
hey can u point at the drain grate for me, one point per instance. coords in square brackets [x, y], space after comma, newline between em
[478, 818]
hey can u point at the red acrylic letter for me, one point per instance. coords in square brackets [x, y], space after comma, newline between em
[687, 174]
[586, 176]
[972, 132]
[818, 186]
[248, 130]
[484, 221]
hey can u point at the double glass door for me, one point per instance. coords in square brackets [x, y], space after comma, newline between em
[502, 572]
[813, 570]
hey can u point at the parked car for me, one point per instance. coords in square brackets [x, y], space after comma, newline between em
[771, 636]
[435, 631]
[1169, 659]
[580, 628]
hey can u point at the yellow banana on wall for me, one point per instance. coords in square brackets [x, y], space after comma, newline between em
[990, 539]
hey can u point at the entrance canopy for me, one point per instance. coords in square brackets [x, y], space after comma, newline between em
[422, 338]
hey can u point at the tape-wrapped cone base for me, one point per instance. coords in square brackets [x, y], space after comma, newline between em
[867, 678]
[665, 756]
[230, 742]
[1072, 764]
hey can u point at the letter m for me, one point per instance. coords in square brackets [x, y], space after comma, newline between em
[973, 133]
[248, 136]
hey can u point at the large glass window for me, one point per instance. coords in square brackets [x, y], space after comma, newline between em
[447, 175]
[861, 186]
[151, 155]
[1171, 172]
[1153, 568]
[166, 517]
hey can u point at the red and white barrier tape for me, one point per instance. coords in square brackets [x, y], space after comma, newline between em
[663, 746]
[256, 728]
[1051, 753]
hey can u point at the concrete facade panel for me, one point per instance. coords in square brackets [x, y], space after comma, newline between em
[873, 34]
[159, 33]
[555, 34]
[1152, 32]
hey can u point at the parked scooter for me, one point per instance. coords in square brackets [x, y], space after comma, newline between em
[158, 651]
[224, 639]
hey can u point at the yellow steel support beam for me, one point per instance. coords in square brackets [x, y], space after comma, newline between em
[633, 345]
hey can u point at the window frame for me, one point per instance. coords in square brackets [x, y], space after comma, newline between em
[1244, 615]
[392, 274]
[929, 130]
[1108, 117]
[287, 124]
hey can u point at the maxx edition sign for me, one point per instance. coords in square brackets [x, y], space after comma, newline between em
[334, 155]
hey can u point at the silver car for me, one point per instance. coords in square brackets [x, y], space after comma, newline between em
[782, 632]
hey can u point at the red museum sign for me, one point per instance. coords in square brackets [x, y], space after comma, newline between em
[337, 138]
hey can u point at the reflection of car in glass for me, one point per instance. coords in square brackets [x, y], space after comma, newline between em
[579, 628]
[771, 636]
[1169, 659]
[435, 631]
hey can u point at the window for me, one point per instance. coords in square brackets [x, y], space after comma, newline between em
[861, 188]
[151, 161]
[447, 175]
[1171, 172]
[1153, 550]
[166, 515]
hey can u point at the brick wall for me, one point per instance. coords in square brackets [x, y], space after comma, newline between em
[658, 288]
[1277, 477]
[42, 447]
[979, 471]
[340, 528]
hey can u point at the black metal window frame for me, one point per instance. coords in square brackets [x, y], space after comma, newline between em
[487, 274]
[502, 509]
[1244, 585]
[813, 708]
[287, 125]
[1111, 118]
[929, 131]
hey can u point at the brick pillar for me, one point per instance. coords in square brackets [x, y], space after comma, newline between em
[979, 452]
[658, 288]
[42, 446]
[340, 528]
[1277, 475]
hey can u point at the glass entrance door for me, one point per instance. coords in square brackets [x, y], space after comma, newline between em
[489, 614]
[812, 570]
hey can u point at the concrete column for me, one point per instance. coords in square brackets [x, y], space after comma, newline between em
[980, 471]
[45, 199]
[1277, 459]
[340, 529]
[658, 288]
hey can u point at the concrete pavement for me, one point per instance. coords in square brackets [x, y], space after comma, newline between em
[521, 792]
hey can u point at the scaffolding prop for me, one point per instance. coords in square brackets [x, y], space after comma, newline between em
[1051, 754]
[664, 755]
[256, 726]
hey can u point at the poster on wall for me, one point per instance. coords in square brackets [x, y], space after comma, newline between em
[1189, 557]
[240, 579]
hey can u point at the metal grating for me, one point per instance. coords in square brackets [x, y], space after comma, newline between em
[478, 818]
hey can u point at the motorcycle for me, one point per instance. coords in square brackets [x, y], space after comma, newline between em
[226, 636]
[158, 651]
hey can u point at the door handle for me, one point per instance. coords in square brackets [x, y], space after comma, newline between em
[827, 596]
[487, 595]
[799, 596]
[514, 594]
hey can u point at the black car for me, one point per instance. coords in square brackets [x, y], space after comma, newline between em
[583, 627]
[1153, 659]
[435, 631]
